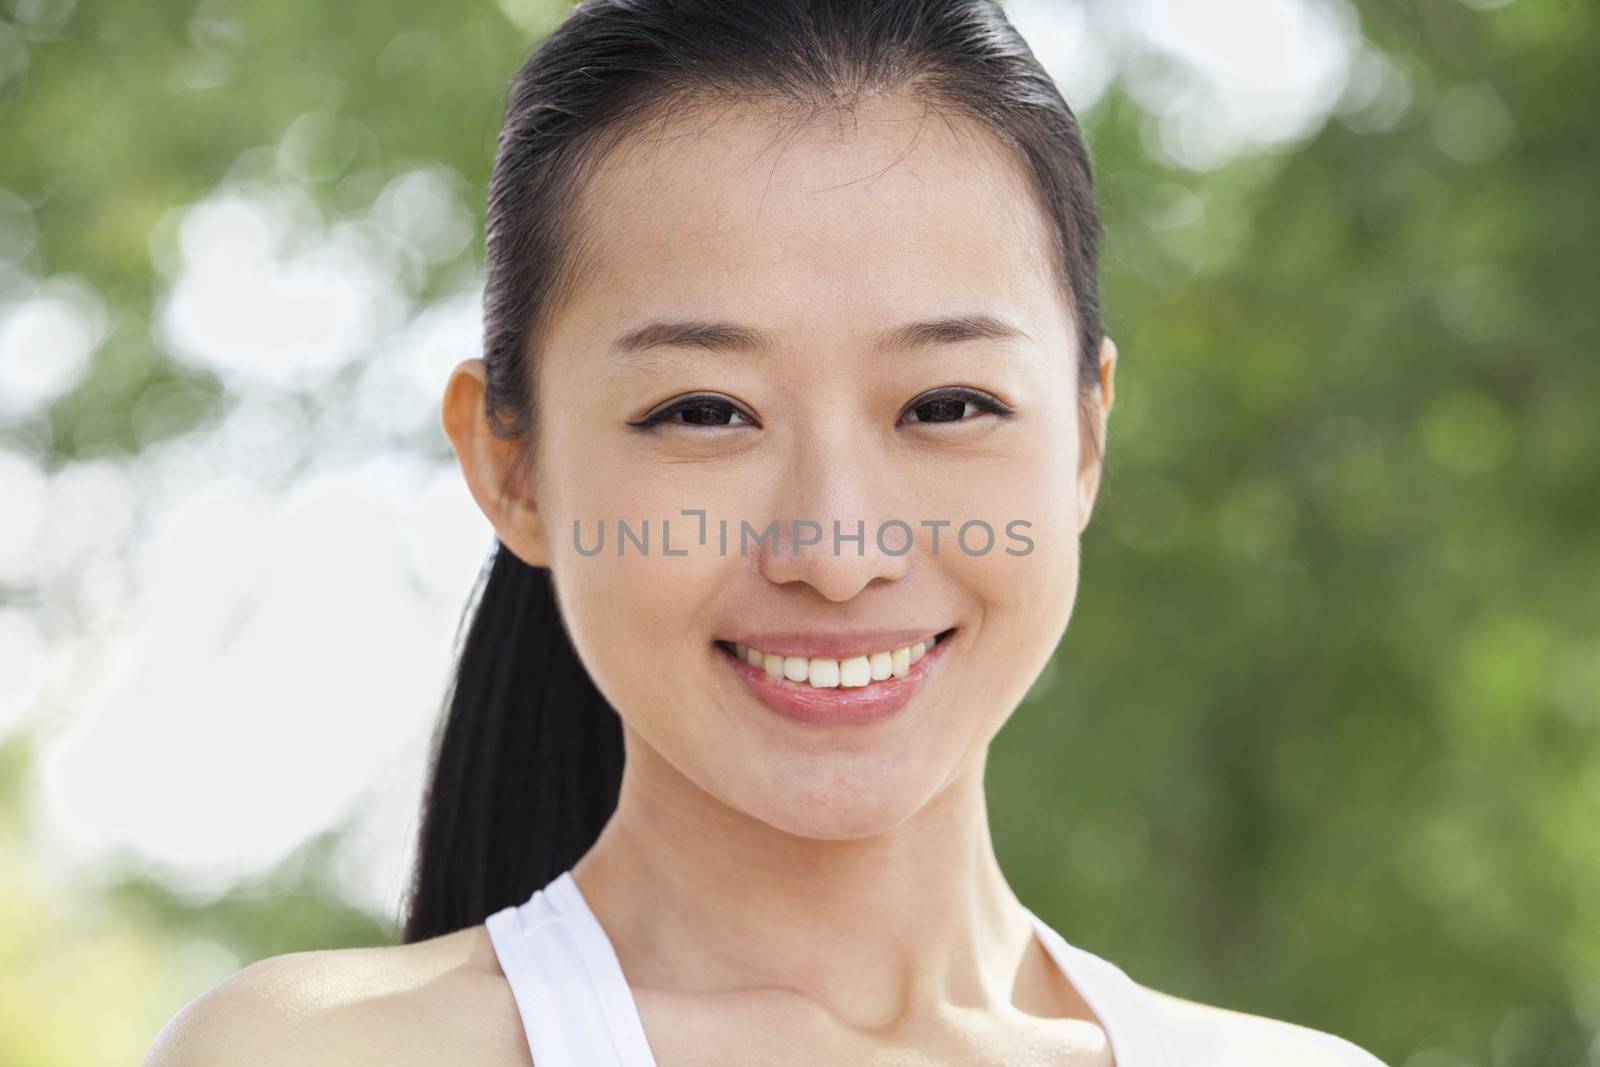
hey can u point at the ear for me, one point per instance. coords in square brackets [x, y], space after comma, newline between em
[1091, 462]
[489, 463]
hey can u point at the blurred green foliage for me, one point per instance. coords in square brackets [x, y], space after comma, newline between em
[1323, 741]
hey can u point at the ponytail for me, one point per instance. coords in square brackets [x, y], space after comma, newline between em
[526, 762]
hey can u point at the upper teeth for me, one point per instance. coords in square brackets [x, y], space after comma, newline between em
[822, 672]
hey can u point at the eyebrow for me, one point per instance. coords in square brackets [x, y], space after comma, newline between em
[634, 346]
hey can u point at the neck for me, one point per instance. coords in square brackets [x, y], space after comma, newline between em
[881, 931]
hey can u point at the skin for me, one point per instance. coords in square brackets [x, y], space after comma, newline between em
[845, 874]
[780, 894]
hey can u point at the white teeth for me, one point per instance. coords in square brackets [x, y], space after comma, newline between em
[855, 671]
[900, 662]
[823, 673]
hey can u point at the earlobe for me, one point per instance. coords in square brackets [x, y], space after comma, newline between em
[489, 463]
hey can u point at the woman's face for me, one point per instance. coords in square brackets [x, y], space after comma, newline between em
[822, 239]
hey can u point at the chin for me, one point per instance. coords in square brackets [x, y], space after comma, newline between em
[837, 804]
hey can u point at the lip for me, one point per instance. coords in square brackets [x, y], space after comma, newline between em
[823, 706]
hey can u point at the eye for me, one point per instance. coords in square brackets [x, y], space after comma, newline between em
[952, 405]
[696, 411]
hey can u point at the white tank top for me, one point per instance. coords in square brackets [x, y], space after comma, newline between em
[578, 1011]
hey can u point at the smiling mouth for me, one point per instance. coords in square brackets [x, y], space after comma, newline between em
[822, 672]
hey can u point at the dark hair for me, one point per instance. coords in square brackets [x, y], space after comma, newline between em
[527, 761]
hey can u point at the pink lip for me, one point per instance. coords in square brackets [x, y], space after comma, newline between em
[815, 705]
[831, 644]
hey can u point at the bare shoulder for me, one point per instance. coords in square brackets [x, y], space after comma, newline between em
[440, 1000]
[1207, 1034]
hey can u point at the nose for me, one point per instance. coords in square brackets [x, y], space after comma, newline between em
[837, 529]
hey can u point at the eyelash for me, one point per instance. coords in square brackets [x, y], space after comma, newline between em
[983, 401]
[687, 403]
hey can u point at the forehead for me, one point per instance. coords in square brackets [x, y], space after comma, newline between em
[819, 229]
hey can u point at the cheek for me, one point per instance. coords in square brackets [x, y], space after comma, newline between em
[638, 615]
[630, 620]
[1026, 585]
[1028, 498]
